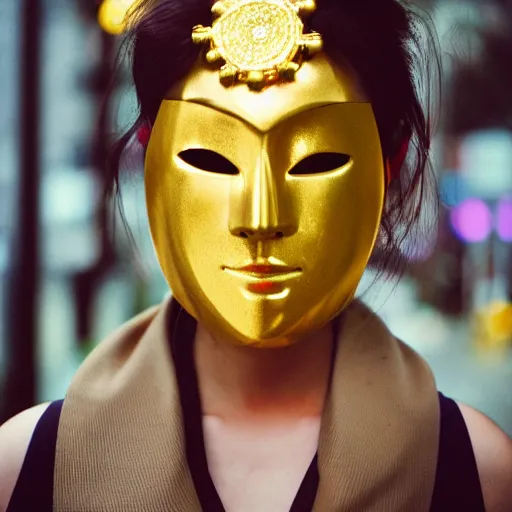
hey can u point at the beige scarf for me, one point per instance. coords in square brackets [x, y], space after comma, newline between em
[120, 445]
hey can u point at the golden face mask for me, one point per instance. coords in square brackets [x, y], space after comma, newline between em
[264, 206]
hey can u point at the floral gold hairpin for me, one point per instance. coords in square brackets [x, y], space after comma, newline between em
[258, 42]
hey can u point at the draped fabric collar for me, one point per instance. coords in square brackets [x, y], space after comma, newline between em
[121, 445]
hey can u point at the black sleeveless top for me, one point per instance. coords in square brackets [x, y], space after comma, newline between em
[457, 484]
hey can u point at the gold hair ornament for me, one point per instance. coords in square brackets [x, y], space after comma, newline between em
[259, 42]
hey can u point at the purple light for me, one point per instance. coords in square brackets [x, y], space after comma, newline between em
[504, 219]
[472, 221]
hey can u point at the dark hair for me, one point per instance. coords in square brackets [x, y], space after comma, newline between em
[393, 50]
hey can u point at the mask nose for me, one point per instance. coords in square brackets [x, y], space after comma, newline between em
[261, 211]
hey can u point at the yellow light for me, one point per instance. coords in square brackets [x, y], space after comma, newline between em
[493, 327]
[112, 15]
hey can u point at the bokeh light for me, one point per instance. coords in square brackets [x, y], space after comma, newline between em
[454, 188]
[504, 219]
[112, 15]
[472, 220]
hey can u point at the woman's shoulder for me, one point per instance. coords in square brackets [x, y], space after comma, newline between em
[493, 453]
[15, 437]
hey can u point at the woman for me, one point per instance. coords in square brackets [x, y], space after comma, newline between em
[275, 169]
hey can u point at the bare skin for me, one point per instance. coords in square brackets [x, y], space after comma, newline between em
[262, 412]
[493, 453]
[261, 467]
[247, 385]
[15, 436]
[262, 420]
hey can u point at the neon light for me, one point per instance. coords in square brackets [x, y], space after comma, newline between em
[504, 219]
[472, 221]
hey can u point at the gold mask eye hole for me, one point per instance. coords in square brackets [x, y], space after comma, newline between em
[209, 161]
[320, 163]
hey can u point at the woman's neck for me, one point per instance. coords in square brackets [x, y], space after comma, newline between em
[249, 384]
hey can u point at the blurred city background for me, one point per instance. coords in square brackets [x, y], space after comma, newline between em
[68, 274]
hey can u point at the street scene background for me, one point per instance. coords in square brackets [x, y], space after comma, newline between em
[69, 275]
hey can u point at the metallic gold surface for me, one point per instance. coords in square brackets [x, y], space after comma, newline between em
[263, 256]
[259, 42]
[317, 83]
